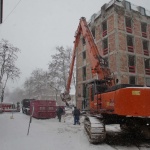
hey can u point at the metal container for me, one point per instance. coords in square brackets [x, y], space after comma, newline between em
[43, 109]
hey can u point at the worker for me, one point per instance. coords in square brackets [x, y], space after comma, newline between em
[76, 114]
[59, 113]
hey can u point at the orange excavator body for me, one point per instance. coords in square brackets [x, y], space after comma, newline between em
[128, 101]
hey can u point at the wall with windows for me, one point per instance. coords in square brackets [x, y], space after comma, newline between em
[122, 36]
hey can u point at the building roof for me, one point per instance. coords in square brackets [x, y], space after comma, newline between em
[120, 3]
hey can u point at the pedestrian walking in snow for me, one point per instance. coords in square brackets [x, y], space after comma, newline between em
[76, 114]
[59, 113]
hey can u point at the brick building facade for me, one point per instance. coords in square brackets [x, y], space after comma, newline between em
[122, 34]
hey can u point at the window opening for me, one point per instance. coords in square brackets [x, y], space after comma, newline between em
[84, 73]
[147, 66]
[128, 25]
[104, 26]
[148, 82]
[127, 5]
[130, 43]
[145, 48]
[93, 32]
[105, 46]
[84, 90]
[132, 80]
[144, 29]
[84, 55]
[83, 41]
[142, 11]
[131, 63]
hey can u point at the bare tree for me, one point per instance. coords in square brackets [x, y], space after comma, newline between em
[59, 67]
[37, 76]
[49, 83]
[29, 87]
[37, 85]
[8, 69]
[34, 83]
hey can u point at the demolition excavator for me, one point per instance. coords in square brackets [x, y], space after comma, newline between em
[109, 102]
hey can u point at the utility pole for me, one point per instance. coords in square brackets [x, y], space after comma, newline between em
[1, 11]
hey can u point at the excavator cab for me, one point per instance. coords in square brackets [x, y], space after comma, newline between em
[95, 87]
[98, 86]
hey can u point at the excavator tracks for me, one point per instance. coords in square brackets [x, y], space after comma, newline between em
[95, 129]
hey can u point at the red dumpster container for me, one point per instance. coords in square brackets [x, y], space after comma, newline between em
[43, 109]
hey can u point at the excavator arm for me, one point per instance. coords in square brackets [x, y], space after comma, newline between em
[98, 64]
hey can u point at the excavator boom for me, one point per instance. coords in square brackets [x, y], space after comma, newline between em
[98, 64]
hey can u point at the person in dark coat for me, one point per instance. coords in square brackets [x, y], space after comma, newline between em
[59, 113]
[76, 114]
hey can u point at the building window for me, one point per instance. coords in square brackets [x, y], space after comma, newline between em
[84, 58]
[128, 24]
[84, 90]
[131, 63]
[127, 5]
[105, 46]
[145, 48]
[142, 11]
[148, 82]
[104, 27]
[85, 96]
[84, 55]
[147, 66]
[93, 32]
[83, 41]
[84, 73]
[130, 43]
[132, 80]
[144, 29]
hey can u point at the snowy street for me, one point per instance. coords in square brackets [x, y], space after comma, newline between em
[50, 134]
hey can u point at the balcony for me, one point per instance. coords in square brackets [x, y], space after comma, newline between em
[146, 52]
[147, 71]
[104, 33]
[129, 29]
[130, 49]
[105, 51]
[132, 69]
[144, 34]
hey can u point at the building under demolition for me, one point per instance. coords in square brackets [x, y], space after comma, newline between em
[121, 32]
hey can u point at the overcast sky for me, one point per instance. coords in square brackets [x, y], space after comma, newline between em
[36, 27]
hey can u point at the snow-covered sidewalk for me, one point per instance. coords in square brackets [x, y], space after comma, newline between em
[49, 134]
[46, 134]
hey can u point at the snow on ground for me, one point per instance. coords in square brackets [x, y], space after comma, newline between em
[46, 134]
